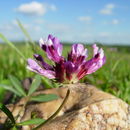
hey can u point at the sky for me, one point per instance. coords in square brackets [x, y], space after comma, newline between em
[105, 21]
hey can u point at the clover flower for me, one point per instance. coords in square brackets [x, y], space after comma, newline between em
[70, 69]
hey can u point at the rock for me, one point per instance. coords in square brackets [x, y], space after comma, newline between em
[87, 108]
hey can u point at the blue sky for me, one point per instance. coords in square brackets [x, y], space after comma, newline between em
[106, 21]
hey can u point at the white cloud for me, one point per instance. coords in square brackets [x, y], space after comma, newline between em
[52, 7]
[108, 9]
[110, 6]
[39, 21]
[37, 28]
[85, 19]
[115, 21]
[7, 27]
[104, 34]
[58, 28]
[35, 8]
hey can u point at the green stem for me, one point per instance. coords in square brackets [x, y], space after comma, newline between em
[58, 110]
[7, 112]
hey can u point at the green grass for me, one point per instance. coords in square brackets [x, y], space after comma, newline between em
[113, 77]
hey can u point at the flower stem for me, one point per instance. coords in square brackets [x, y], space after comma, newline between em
[58, 110]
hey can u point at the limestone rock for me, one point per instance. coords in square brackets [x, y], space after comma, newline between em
[87, 108]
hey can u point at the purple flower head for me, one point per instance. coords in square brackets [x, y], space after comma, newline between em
[68, 70]
[52, 47]
[78, 54]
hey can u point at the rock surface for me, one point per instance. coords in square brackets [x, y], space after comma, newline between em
[87, 108]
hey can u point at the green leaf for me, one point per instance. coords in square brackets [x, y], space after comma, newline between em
[17, 85]
[7, 112]
[44, 97]
[32, 122]
[2, 93]
[2, 89]
[47, 82]
[35, 84]
[12, 45]
[5, 81]
[14, 128]
[10, 88]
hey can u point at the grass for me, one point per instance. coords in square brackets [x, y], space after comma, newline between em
[113, 77]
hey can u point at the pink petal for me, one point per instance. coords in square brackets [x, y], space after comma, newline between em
[33, 66]
[95, 49]
[78, 49]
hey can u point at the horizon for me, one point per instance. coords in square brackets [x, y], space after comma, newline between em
[70, 43]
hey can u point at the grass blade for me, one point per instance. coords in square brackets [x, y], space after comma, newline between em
[7, 112]
[116, 64]
[12, 45]
[44, 97]
[35, 84]
[31, 122]
[26, 34]
[16, 83]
